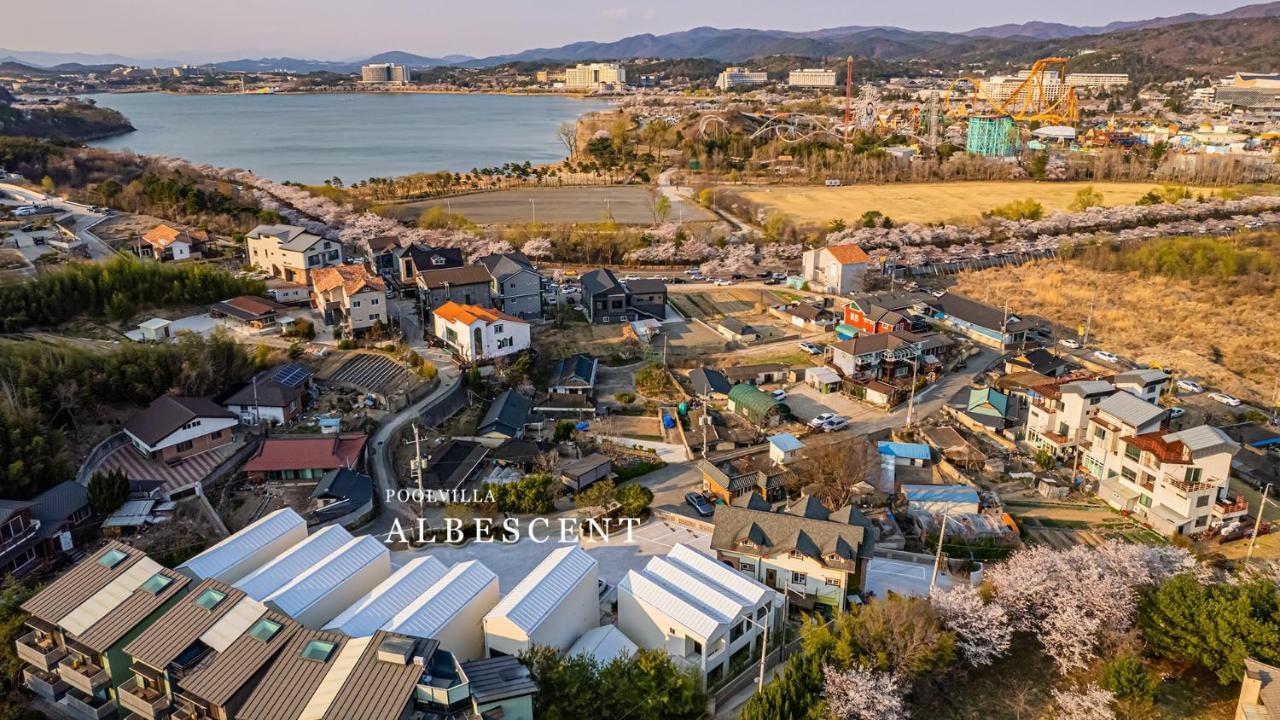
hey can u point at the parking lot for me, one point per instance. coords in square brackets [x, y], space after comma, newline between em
[512, 562]
[886, 575]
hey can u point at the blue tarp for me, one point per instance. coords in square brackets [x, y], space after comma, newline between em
[913, 451]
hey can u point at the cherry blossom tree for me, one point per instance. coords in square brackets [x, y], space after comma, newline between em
[982, 629]
[537, 248]
[861, 693]
[1089, 703]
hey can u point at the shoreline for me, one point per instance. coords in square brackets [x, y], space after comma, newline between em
[357, 91]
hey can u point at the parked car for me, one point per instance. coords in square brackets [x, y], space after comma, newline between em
[1070, 343]
[602, 587]
[1225, 399]
[700, 504]
[835, 423]
[1104, 355]
[773, 281]
[818, 421]
[1177, 412]
[811, 348]
[1190, 386]
[779, 276]
[779, 395]
[722, 282]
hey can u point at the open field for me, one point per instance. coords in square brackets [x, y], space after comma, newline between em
[626, 204]
[1227, 339]
[953, 202]
[713, 303]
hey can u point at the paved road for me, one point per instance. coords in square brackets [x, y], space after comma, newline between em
[84, 219]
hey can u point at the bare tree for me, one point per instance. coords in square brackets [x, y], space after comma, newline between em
[832, 470]
[568, 135]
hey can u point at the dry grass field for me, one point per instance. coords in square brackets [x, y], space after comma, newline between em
[951, 202]
[1229, 339]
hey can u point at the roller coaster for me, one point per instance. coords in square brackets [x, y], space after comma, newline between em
[1038, 98]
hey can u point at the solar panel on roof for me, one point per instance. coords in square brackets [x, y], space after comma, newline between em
[291, 375]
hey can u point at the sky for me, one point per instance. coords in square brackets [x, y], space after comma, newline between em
[193, 31]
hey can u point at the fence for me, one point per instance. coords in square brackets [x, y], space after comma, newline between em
[751, 675]
[445, 406]
[678, 519]
[98, 454]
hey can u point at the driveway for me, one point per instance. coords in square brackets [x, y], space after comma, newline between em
[613, 380]
[84, 219]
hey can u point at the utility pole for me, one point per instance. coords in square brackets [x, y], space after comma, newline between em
[937, 560]
[1088, 322]
[1258, 522]
[848, 96]
[417, 467]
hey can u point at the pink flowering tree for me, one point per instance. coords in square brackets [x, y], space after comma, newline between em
[1088, 703]
[982, 630]
[861, 693]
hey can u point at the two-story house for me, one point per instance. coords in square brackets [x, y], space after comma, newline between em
[479, 334]
[885, 312]
[467, 285]
[991, 326]
[608, 300]
[349, 297]
[882, 356]
[290, 252]
[815, 554]
[1146, 383]
[837, 269]
[174, 427]
[517, 287]
[417, 258]
[1058, 413]
[35, 532]
[163, 242]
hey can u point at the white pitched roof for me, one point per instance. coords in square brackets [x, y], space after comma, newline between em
[110, 597]
[695, 588]
[1202, 437]
[1130, 409]
[293, 562]
[233, 624]
[426, 616]
[328, 575]
[749, 589]
[235, 548]
[658, 595]
[541, 591]
[368, 614]
[603, 643]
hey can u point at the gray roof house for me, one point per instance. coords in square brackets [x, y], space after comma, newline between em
[608, 300]
[708, 383]
[574, 375]
[517, 286]
[506, 416]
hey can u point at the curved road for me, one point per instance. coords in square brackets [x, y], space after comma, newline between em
[83, 217]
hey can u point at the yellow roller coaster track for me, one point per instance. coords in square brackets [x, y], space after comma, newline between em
[1031, 100]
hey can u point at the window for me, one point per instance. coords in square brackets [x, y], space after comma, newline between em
[1202, 501]
[497, 329]
[1144, 500]
[355, 303]
[697, 647]
[375, 316]
[318, 650]
[373, 301]
[761, 613]
[210, 598]
[264, 630]
[796, 554]
[156, 583]
[833, 582]
[748, 568]
[1132, 452]
[184, 446]
[1193, 474]
[112, 558]
[1100, 433]
[1128, 474]
[798, 578]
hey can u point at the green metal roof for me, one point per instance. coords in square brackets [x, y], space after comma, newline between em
[753, 400]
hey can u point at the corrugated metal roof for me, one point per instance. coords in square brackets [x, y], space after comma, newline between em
[656, 594]
[293, 562]
[1130, 409]
[232, 625]
[109, 597]
[80, 583]
[914, 451]
[684, 581]
[536, 596]
[786, 442]
[125, 617]
[749, 589]
[290, 680]
[603, 644]
[435, 608]
[367, 615]
[234, 549]
[940, 493]
[328, 575]
[1200, 437]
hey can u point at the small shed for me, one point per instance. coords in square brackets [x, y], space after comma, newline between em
[756, 405]
[581, 474]
[783, 448]
[950, 499]
[822, 378]
[155, 330]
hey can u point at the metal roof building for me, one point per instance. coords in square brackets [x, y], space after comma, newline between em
[941, 498]
[603, 644]
[371, 612]
[553, 605]
[293, 562]
[243, 552]
[346, 574]
[452, 611]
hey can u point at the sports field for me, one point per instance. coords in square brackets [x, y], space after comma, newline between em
[626, 204]
[952, 202]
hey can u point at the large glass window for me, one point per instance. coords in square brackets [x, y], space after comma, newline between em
[264, 629]
[156, 583]
[112, 558]
[210, 598]
[318, 650]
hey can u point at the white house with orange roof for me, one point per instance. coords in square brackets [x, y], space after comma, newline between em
[477, 334]
[836, 269]
[166, 243]
[349, 296]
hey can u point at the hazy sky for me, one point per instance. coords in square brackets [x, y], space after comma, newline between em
[191, 30]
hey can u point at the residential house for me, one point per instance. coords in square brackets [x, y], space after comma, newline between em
[453, 465]
[702, 613]
[979, 322]
[174, 427]
[761, 374]
[1038, 361]
[1147, 383]
[290, 252]
[349, 297]
[506, 417]
[810, 317]
[478, 334]
[784, 448]
[468, 285]
[1118, 415]
[758, 407]
[815, 555]
[452, 611]
[517, 286]
[288, 293]
[342, 495]
[580, 474]
[276, 396]
[1259, 692]
[305, 459]
[753, 473]
[551, 607]
[415, 259]
[941, 499]
[737, 331]
[383, 257]
[248, 313]
[1057, 414]
[869, 314]
[989, 407]
[709, 384]
[78, 624]
[249, 548]
[837, 269]
[608, 300]
[891, 356]
[574, 375]
[322, 591]
[163, 242]
[290, 564]
[36, 532]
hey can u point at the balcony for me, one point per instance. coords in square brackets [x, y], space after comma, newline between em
[87, 707]
[1181, 484]
[146, 702]
[17, 540]
[40, 652]
[1230, 506]
[47, 685]
[82, 675]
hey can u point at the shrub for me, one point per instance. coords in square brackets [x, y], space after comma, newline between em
[1028, 209]
[635, 470]
[634, 499]
[626, 398]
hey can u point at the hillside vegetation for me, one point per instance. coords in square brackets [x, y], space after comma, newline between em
[1206, 307]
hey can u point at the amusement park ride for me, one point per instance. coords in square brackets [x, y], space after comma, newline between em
[1043, 97]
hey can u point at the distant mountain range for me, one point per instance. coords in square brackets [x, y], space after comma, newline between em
[1013, 41]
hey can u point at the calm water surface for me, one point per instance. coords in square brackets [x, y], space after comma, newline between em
[309, 138]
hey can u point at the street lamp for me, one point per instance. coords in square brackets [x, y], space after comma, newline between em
[937, 560]
[1257, 523]
[764, 651]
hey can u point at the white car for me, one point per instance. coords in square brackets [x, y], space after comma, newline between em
[818, 421]
[1190, 386]
[1069, 343]
[24, 211]
[779, 395]
[834, 424]
[811, 348]
[724, 283]
[1225, 399]
[1177, 412]
[1104, 355]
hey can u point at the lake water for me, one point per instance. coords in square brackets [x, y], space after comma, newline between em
[355, 136]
